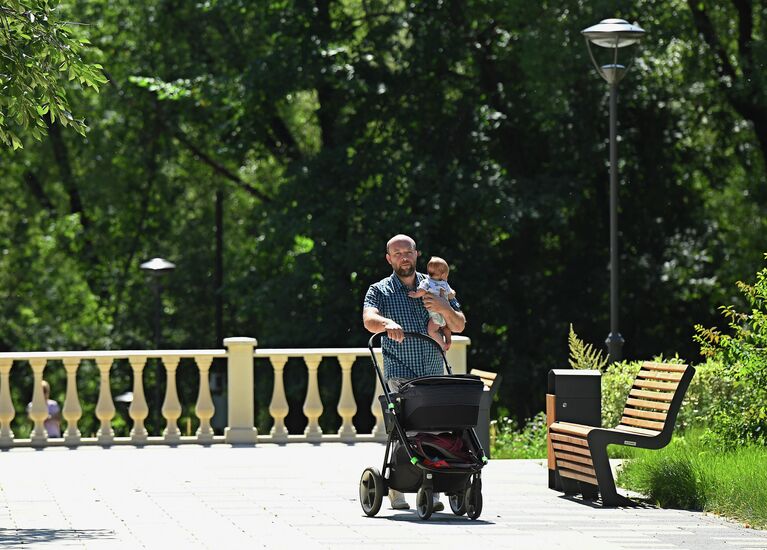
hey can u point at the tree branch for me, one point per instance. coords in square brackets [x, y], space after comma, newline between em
[706, 30]
[220, 168]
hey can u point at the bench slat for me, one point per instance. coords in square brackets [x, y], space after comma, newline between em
[571, 448]
[638, 413]
[657, 405]
[575, 467]
[651, 395]
[633, 430]
[642, 423]
[569, 439]
[570, 457]
[578, 476]
[655, 375]
[664, 386]
[668, 367]
[487, 377]
[571, 428]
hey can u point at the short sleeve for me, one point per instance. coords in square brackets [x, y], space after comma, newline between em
[424, 284]
[372, 298]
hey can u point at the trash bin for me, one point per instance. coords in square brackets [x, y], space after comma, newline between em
[573, 396]
[492, 382]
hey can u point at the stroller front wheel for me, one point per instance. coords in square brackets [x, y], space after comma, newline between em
[424, 503]
[474, 501]
[371, 491]
[458, 503]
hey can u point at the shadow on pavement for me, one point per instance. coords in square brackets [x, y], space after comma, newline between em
[15, 537]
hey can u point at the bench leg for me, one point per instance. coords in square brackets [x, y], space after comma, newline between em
[569, 486]
[610, 496]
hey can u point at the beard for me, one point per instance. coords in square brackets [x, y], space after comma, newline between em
[405, 271]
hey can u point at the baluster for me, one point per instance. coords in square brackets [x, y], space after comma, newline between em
[105, 407]
[7, 412]
[171, 407]
[204, 407]
[72, 410]
[278, 408]
[347, 406]
[379, 430]
[313, 402]
[39, 410]
[138, 410]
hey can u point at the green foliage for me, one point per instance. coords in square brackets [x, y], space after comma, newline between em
[40, 56]
[741, 419]
[688, 473]
[512, 441]
[616, 383]
[584, 356]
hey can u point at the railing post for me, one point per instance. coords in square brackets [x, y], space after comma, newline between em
[171, 406]
[105, 407]
[456, 355]
[38, 412]
[204, 407]
[278, 407]
[7, 411]
[347, 407]
[313, 403]
[239, 359]
[138, 409]
[379, 430]
[72, 410]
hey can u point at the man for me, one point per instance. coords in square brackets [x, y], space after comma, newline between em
[387, 307]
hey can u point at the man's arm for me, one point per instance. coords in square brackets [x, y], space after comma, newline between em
[456, 320]
[375, 322]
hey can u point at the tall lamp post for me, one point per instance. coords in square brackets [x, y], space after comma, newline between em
[613, 34]
[157, 267]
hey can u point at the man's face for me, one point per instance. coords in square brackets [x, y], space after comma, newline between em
[402, 256]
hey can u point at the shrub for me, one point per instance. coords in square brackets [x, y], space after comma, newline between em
[511, 441]
[741, 419]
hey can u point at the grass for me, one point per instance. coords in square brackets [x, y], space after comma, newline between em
[689, 474]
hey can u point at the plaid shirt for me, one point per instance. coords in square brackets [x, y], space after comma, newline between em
[412, 357]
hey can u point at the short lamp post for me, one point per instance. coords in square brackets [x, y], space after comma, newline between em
[613, 34]
[157, 267]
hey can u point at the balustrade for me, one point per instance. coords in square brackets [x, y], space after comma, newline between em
[239, 354]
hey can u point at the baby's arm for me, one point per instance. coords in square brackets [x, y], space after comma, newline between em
[420, 293]
[450, 293]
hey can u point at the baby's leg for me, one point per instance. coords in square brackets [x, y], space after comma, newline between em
[448, 334]
[433, 329]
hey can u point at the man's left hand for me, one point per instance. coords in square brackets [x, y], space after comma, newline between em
[437, 304]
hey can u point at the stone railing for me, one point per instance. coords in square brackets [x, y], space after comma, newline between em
[240, 428]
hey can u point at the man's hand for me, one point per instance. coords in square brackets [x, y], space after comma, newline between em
[394, 331]
[437, 304]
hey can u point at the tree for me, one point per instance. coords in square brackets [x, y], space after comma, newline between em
[38, 54]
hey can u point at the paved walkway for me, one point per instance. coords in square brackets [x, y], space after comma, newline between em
[303, 496]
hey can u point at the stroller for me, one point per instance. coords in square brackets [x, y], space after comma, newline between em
[418, 458]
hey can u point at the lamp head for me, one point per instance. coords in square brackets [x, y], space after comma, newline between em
[613, 34]
[156, 266]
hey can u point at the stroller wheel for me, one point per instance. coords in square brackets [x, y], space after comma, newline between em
[424, 503]
[474, 501]
[371, 491]
[458, 503]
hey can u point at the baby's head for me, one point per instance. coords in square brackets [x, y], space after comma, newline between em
[437, 269]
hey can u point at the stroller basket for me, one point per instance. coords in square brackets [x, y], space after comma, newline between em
[436, 403]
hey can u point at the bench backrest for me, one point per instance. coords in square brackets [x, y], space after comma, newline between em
[492, 380]
[655, 398]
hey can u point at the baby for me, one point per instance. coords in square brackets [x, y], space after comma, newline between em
[436, 283]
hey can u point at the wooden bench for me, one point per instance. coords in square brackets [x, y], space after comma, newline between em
[580, 452]
[488, 378]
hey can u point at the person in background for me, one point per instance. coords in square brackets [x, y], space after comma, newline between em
[53, 422]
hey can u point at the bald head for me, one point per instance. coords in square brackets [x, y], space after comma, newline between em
[401, 241]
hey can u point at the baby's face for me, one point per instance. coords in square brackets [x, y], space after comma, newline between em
[438, 274]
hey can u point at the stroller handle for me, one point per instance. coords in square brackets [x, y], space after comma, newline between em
[379, 371]
[426, 337]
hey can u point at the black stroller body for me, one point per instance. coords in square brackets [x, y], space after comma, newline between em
[416, 460]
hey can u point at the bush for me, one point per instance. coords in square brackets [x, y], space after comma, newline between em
[512, 442]
[741, 419]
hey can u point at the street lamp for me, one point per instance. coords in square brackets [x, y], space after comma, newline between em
[157, 267]
[613, 34]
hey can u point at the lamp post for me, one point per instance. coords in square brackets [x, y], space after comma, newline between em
[613, 34]
[157, 267]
